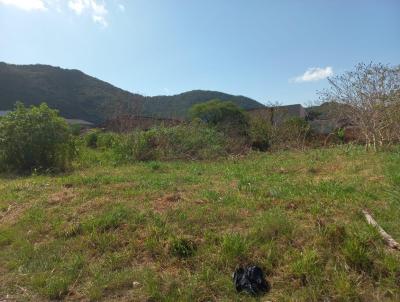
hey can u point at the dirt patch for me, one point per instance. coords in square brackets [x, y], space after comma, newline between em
[92, 205]
[63, 196]
[13, 213]
[291, 206]
[167, 202]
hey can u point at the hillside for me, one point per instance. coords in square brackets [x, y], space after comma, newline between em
[74, 93]
[80, 96]
[178, 105]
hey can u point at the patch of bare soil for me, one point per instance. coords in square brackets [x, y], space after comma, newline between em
[167, 201]
[63, 196]
[13, 213]
[91, 205]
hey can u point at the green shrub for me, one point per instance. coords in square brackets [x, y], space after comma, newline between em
[226, 116]
[340, 134]
[106, 140]
[182, 248]
[76, 129]
[91, 139]
[35, 138]
[192, 141]
[260, 134]
[96, 139]
[136, 146]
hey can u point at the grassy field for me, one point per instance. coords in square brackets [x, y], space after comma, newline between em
[175, 231]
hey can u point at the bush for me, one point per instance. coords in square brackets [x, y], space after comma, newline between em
[35, 138]
[226, 116]
[291, 133]
[260, 133]
[91, 139]
[106, 140]
[182, 247]
[76, 129]
[285, 134]
[192, 141]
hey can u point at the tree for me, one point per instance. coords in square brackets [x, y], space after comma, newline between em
[369, 99]
[34, 138]
[224, 115]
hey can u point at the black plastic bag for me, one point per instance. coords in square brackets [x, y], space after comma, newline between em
[251, 279]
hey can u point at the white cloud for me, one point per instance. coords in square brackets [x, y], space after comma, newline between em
[77, 6]
[97, 10]
[100, 19]
[314, 74]
[27, 5]
[121, 7]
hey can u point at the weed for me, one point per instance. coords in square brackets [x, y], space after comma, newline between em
[234, 247]
[272, 225]
[307, 267]
[357, 254]
[111, 219]
[154, 165]
[71, 230]
[182, 247]
[334, 235]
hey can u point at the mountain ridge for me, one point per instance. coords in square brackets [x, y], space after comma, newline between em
[78, 95]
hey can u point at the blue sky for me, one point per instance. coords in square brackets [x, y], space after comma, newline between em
[272, 51]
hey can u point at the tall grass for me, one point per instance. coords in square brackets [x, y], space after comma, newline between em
[191, 142]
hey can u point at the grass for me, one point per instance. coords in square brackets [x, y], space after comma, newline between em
[175, 231]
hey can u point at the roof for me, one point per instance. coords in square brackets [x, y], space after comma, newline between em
[72, 121]
[291, 110]
[69, 121]
[279, 114]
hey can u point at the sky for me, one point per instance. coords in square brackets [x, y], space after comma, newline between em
[272, 51]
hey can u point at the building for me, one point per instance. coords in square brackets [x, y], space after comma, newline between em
[3, 112]
[126, 123]
[279, 114]
[81, 123]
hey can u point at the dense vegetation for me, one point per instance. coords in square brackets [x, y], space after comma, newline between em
[34, 139]
[77, 95]
[175, 231]
[37, 139]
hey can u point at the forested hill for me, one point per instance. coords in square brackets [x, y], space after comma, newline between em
[81, 96]
[74, 93]
[178, 105]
